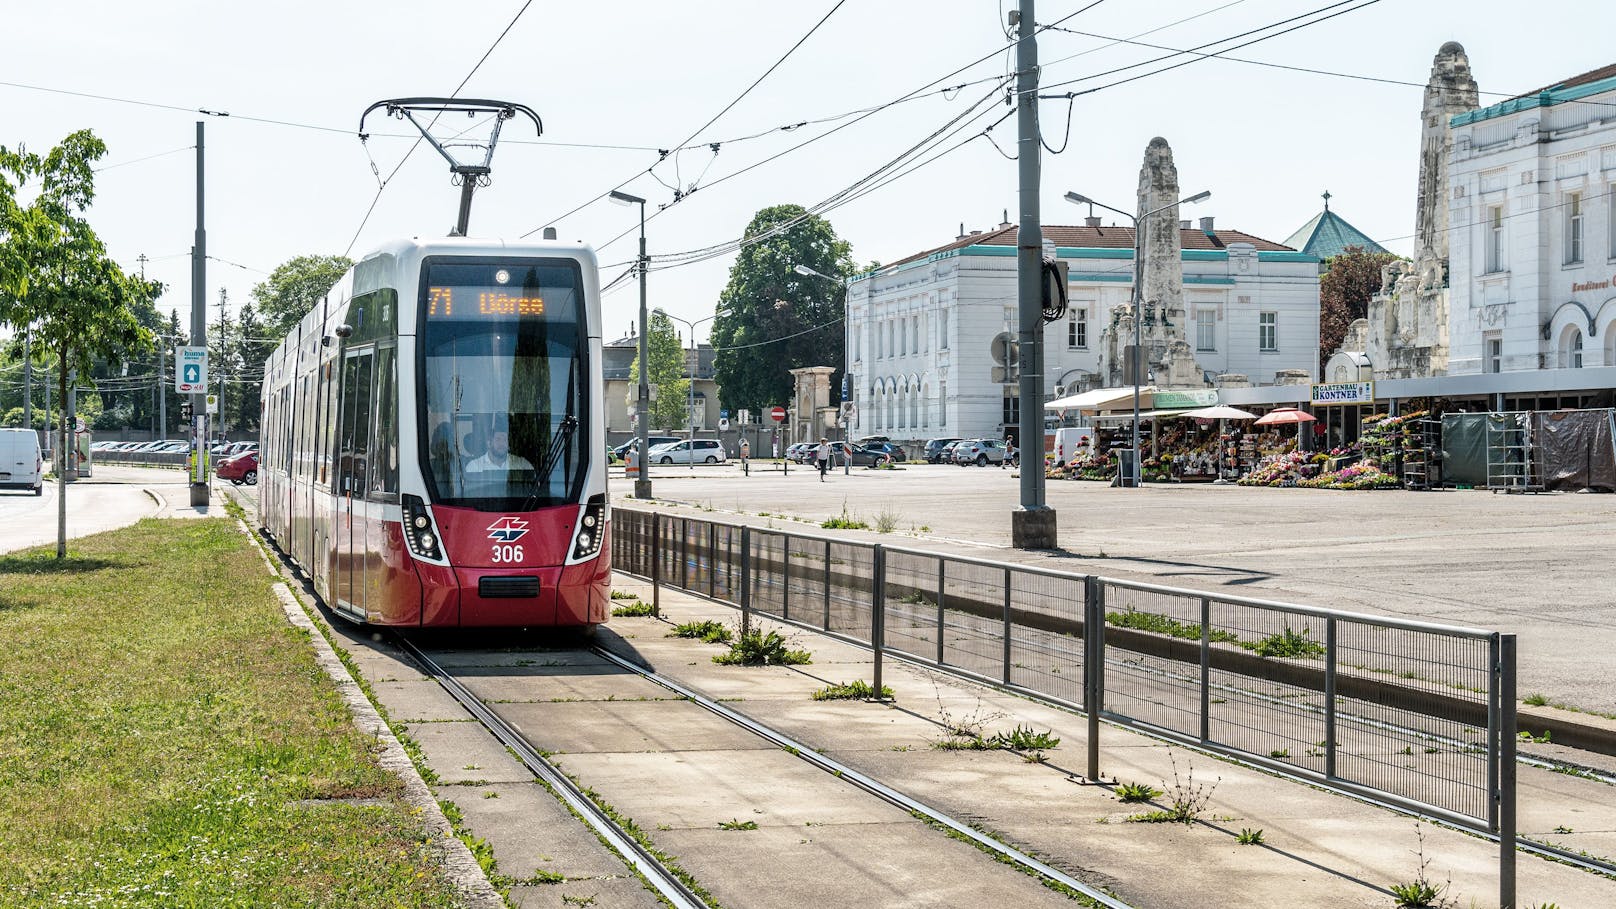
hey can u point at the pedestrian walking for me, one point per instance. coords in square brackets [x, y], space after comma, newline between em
[746, 452]
[822, 457]
[1009, 452]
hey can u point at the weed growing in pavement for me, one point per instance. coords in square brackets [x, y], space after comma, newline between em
[710, 631]
[856, 690]
[1160, 624]
[624, 595]
[633, 610]
[1249, 837]
[1186, 798]
[844, 521]
[1280, 753]
[1136, 792]
[917, 598]
[963, 732]
[1288, 643]
[886, 520]
[1024, 738]
[1536, 700]
[757, 648]
[734, 824]
[1544, 739]
[1421, 891]
[480, 850]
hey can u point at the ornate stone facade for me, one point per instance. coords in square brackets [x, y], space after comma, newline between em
[1406, 333]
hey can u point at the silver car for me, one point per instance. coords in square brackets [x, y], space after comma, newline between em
[699, 451]
[980, 452]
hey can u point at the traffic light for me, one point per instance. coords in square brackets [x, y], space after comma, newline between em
[185, 410]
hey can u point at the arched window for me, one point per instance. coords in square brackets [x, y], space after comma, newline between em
[892, 398]
[925, 406]
[914, 402]
[1610, 342]
[1571, 348]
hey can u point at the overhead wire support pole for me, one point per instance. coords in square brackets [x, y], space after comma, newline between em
[1032, 525]
[199, 338]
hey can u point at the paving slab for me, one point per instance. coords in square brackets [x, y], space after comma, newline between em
[530, 831]
[515, 658]
[575, 727]
[418, 700]
[562, 683]
[464, 752]
[854, 865]
[622, 892]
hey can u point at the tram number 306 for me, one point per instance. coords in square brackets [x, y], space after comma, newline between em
[507, 553]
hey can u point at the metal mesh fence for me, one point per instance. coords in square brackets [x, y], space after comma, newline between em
[1404, 711]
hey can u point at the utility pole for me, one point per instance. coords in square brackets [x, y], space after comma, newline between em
[199, 338]
[1032, 526]
[642, 401]
[27, 379]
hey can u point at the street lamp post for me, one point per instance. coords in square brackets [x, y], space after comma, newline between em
[642, 401]
[695, 364]
[847, 452]
[1137, 301]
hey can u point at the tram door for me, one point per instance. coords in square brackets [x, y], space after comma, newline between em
[353, 461]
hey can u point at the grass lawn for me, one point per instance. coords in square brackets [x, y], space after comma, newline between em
[166, 739]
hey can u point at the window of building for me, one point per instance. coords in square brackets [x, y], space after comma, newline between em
[1268, 331]
[1571, 354]
[1012, 408]
[942, 329]
[1077, 329]
[1573, 238]
[1493, 353]
[892, 348]
[925, 407]
[1610, 208]
[914, 334]
[1206, 328]
[942, 403]
[914, 407]
[1495, 238]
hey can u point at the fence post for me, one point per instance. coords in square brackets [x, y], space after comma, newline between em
[746, 579]
[942, 591]
[1093, 667]
[785, 576]
[656, 564]
[877, 620]
[1506, 776]
[1206, 669]
[1007, 625]
[712, 559]
[1329, 697]
[827, 585]
[684, 553]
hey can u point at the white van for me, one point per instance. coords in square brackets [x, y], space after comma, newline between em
[22, 466]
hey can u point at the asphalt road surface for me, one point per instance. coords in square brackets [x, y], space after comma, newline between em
[114, 497]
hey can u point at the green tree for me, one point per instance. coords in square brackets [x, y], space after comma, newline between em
[772, 319]
[1348, 282]
[75, 301]
[668, 411]
[294, 288]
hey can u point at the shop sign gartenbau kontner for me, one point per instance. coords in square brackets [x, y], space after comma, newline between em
[1344, 393]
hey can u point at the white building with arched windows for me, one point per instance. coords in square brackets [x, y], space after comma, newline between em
[1532, 203]
[919, 331]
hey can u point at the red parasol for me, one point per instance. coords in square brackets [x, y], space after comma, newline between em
[1285, 415]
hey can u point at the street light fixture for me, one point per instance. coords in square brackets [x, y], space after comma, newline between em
[1137, 294]
[642, 401]
[695, 364]
[847, 383]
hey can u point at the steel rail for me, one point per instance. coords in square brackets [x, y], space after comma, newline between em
[868, 784]
[637, 856]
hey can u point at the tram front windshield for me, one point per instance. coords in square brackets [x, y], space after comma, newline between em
[503, 382]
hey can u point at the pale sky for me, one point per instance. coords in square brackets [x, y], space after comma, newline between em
[644, 74]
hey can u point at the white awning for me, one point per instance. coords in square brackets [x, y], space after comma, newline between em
[1101, 399]
[1126, 415]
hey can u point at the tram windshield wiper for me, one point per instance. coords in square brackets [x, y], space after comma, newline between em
[558, 447]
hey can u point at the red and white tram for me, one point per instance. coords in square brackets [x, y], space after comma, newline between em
[433, 446]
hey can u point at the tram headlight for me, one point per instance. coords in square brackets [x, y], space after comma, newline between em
[591, 529]
[418, 529]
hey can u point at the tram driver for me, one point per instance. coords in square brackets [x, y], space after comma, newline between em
[498, 454]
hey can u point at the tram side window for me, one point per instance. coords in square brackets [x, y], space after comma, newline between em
[384, 444]
[354, 457]
[327, 434]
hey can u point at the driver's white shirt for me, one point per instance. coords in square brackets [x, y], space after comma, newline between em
[487, 462]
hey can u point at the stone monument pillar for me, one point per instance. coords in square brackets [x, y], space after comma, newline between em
[1451, 91]
[1163, 288]
[813, 416]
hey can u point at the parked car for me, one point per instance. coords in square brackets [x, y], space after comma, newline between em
[240, 448]
[622, 450]
[22, 464]
[935, 449]
[862, 456]
[699, 451]
[241, 469]
[801, 452]
[892, 449]
[980, 452]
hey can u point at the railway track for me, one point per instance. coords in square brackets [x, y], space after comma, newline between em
[668, 882]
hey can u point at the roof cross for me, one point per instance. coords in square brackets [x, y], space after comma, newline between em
[1326, 200]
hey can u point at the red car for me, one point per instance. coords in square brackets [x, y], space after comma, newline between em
[243, 468]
